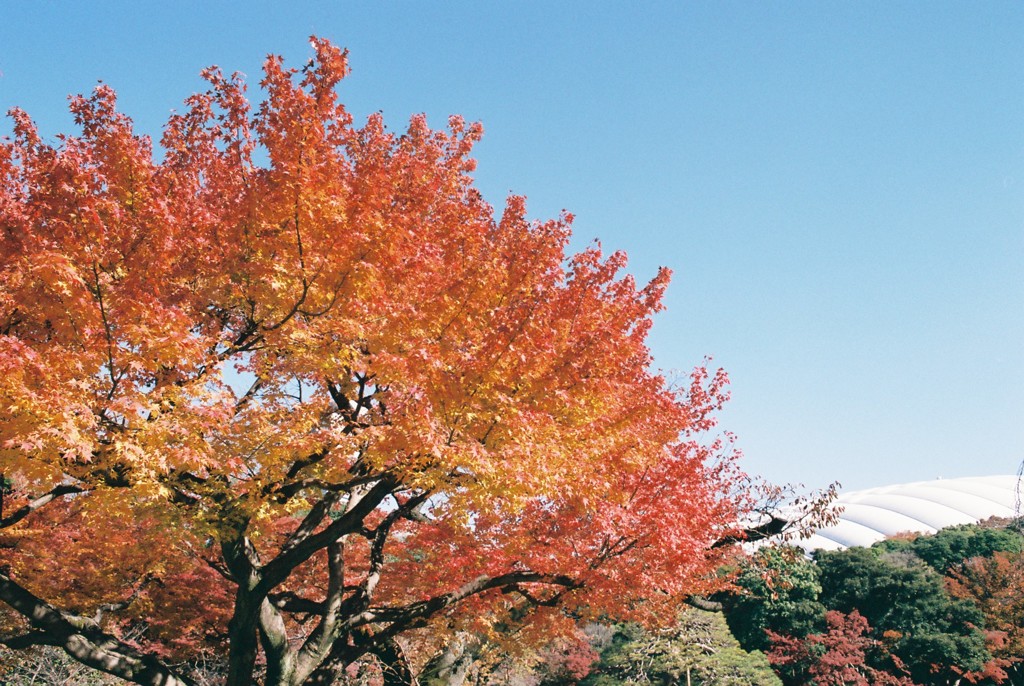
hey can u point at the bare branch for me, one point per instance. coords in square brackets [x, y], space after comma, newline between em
[250, 394]
[289, 601]
[772, 527]
[380, 537]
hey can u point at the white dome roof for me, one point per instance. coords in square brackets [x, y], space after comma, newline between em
[923, 507]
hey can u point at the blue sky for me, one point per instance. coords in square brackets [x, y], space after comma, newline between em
[839, 187]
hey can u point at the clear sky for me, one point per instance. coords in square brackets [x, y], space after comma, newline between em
[839, 187]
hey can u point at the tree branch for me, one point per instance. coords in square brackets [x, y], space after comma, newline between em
[403, 618]
[28, 640]
[32, 506]
[774, 526]
[311, 521]
[82, 640]
[288, 601]
[278, 569]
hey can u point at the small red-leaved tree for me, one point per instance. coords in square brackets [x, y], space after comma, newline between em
[845, 655]
[996, 585]
[289, 386]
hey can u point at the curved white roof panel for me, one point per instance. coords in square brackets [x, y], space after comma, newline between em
[884, 520]
[923, 507]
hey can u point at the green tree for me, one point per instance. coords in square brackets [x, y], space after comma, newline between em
[953, 546]
[698, 650]
[778, 590]
[906, 603]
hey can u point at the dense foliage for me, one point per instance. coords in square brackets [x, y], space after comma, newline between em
[946, 550]
[930, 609]
[698, 650]
[778, 590]
[288, 392]
[927, 642]
[936, 636]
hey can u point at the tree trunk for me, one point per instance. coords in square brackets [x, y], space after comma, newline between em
[395, 665]
[242, 640]
[342, 655]
[451, 666]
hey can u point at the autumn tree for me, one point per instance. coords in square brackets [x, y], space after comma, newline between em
[995, 584]
[845, 654]
[289, 389]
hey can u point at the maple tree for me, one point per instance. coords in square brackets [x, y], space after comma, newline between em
[840, 656]
[288, 388]
[995, 584]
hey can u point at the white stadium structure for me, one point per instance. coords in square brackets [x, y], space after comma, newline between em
[924, 507]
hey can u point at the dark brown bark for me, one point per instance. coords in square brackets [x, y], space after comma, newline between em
[394, 664]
